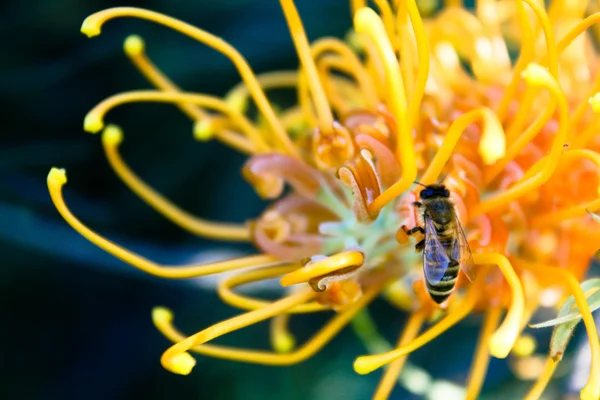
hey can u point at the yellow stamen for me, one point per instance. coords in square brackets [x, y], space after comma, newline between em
[423, 57]
[540, 385]
[482, 354]
[592, 388]
[111, 139]
[407, 53]
[525, 56]
[134, 48]
[558, 216]
[525, 346]
[491, 145]
[237, 98]
[94, 120]
[521, 141]
[503, 339]
[282, 340]
[390, 377]
[316, 270]
[367, 22]
[162, 318]
[577, 30]
[174, 359]
[366, 364]
[387, 18]
[57, 178]
[226, 293]
[303, 49]
[353, 65]
[519, 120]
[537, 76]
[551, 49]
[92, 26]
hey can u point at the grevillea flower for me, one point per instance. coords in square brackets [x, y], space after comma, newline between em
[405, 98]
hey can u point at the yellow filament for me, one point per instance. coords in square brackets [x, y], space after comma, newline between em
[326, 266]
[353, 66]
[387, 18]
[302, 48]
[357, 5]
[282, 341]
[592, 388]
[538, 76]
[551, 49]
[57, 178]
[482, 354]
[333, 84]
[503, 339]
[540, 385]
[163, 318]
[134, 48]
[406, 43]
[94, 120]
[92, 25]
[522, 115]
[390, 377]
[577, 30]
[525, 56]
[366, 364]
[238, 96]
[111, 139]
[367, 22]
[520, 142]
[423, 55]
[177, 359]
[226, 293]
[492, 143]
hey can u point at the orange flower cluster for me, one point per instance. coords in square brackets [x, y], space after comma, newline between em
[405, 98]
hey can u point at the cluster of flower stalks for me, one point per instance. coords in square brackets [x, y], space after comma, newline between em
[500, 102]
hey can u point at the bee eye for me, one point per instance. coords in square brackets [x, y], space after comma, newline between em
[426, 193]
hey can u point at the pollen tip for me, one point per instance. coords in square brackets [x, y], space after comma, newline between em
[524, 346]
[535, 74]
[112, 135]
[595, 102]
[181, 364]
[590, 393]
[238, 101]
[90, 27]
[161, 315]
[133, 45]
[203, 130]
[93, 123]
[284, 343]
[57, 177]
[363, 365]
[501, 344]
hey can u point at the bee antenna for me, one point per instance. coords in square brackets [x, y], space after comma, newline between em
[419, 183]
[443, 178]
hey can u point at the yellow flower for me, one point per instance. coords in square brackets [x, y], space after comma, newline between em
[515, 141]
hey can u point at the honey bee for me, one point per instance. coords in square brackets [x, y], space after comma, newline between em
[444, 246]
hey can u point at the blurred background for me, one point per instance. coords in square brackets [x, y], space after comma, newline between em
[76, 321]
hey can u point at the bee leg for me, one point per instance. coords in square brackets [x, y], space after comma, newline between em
[412, 231]
[417, 203]
[419, 246]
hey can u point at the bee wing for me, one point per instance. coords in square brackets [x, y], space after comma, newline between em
[435, 259]
[462, 252]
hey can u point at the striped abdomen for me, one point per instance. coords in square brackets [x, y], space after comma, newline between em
[441, 290]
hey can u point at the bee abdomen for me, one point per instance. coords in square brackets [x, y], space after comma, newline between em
[440, 291]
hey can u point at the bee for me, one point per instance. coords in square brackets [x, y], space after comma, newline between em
[444, 246]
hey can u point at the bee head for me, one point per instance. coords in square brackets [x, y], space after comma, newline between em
[433, 191]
